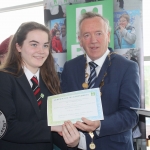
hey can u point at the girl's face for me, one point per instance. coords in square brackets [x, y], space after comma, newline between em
[35, 49]
[57, 34]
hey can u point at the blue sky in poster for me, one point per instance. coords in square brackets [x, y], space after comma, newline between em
[59, 21]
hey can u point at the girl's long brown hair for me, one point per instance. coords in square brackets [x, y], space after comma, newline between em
[14, 62]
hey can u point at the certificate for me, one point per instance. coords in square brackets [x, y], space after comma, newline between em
[73, 106]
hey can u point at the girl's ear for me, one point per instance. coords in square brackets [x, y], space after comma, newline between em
[18, 47]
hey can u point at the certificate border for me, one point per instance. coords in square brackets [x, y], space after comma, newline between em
[94, 91]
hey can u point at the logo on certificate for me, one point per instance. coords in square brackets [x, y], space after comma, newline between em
[3, 125]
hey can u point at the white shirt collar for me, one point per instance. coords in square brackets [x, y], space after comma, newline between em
[99, 61]
[29, 74]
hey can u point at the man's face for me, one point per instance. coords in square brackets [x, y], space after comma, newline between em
[94, 37]
[63, 30]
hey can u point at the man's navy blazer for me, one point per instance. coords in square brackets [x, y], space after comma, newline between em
[119, 93]
[27, 127]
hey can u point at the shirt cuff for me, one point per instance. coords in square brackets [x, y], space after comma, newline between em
[82, 142]
[98, 130]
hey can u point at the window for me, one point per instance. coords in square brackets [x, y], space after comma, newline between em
[10, 3]
[147, 93]
[11, 20]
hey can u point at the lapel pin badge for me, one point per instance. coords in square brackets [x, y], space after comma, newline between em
[42, 95]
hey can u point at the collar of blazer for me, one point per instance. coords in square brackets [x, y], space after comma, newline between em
[104, 70]
[24, 84]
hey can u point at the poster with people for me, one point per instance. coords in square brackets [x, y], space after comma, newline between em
[55, 20]
[126, 33]
[128, 29]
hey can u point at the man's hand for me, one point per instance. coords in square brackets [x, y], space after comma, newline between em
[87, 125]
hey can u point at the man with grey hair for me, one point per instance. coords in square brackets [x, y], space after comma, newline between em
[118, 81]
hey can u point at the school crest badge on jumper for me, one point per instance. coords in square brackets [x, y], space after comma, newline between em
[3, 124]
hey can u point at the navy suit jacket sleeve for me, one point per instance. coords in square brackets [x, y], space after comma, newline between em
[122, 118]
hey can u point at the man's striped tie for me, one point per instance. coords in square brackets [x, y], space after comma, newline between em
[93, 76]
[36, 90]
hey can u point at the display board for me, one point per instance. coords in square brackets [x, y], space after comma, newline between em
[73, 15]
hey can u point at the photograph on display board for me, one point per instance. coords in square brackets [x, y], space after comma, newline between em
[126, 28]
[131, 54]
[59, 60]
[58, 35]
[54, 9]
[125, 33]
[120, 5]
[56, 43]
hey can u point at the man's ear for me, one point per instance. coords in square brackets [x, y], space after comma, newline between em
[108, 34]
[80, 40]
[18, 47]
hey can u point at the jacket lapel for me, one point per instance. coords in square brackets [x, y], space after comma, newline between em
[45, 92]
[22, 80]
[103, 70]
[101, 73]
[81, 72]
